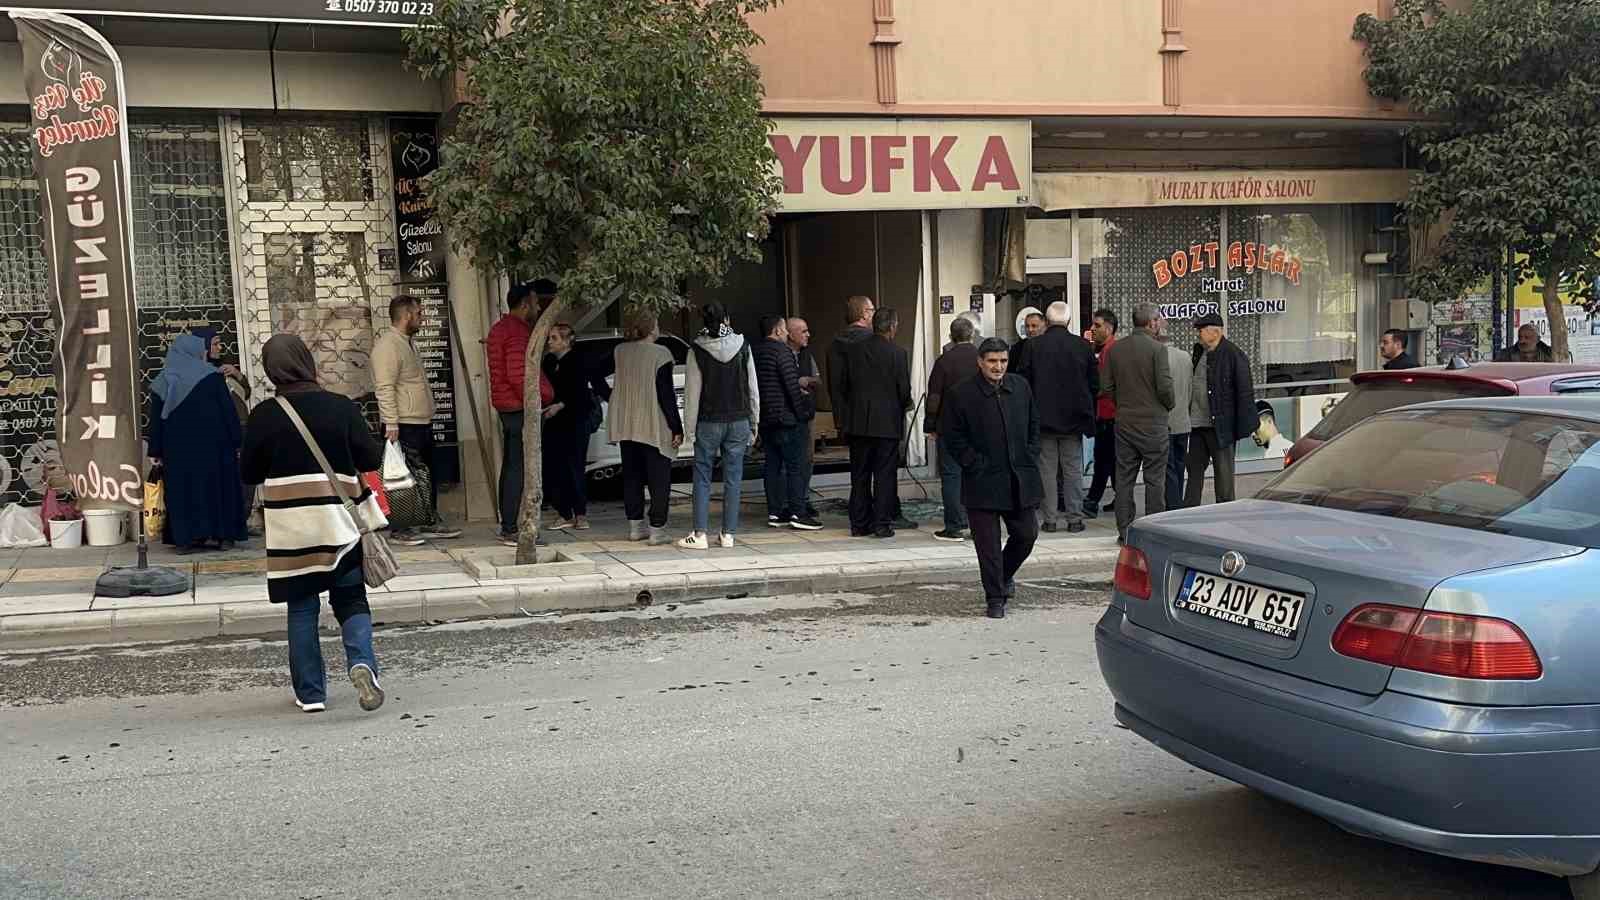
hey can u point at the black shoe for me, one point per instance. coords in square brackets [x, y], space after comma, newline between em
[806, 523]
[997, 609]
[777, 521]
[954, 535]
[861, 532]
[1076, 528]
[811, 512]
[883, 533]
[1049, 527]
[1092, 510]
[904, 524]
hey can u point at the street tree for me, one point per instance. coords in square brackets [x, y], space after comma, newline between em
[616, 146]
[1509, 144]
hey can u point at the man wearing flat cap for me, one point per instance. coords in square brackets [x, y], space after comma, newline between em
[1222, 409]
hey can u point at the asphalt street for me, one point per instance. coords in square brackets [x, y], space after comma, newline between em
[886, 745]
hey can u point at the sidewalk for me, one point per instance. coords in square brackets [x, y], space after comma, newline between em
[47, 596]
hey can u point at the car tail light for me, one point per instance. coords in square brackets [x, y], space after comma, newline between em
[1133, 573]
[1288, 458]
[1449, 644]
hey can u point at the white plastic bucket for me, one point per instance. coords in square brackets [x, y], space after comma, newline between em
[104, 526]
[66, 534]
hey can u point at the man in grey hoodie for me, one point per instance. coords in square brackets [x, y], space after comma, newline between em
[722, 409]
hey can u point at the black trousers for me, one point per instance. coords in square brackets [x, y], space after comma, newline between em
[1206, 450]
[874, 491]
[511, 472]
[420, 439]
[997, 566]
[566, 455]
[1105, 459]
[644, 466]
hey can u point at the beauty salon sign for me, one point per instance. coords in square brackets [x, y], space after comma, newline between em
[880, 164]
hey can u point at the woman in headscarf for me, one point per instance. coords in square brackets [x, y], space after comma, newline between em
[239, 391]
[195, 435]
[312, 544]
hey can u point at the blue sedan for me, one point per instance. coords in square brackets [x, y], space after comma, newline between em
[1400, 633]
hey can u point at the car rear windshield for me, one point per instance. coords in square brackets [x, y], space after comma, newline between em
[1532, 476]
[1367, 400]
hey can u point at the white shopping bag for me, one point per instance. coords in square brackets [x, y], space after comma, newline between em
[20, 526]
[396, 474]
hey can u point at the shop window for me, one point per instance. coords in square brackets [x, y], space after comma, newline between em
[308, 160]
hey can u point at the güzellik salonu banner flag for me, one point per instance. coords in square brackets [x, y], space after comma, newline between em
[80, 158]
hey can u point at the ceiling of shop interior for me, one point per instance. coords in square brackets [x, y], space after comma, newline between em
[291, 37]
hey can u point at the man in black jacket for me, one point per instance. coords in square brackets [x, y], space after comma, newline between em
[1392, 350]
[992, 425]
[1065, 377]
[568, 424]
[785, 427]
[876, 388]
[1222, 409]
[958, 363]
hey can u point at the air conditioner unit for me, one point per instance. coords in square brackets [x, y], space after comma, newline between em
[1407, 314]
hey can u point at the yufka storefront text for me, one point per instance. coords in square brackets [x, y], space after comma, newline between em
[1250, 256]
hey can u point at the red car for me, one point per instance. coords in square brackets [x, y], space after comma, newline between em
[1374, 392]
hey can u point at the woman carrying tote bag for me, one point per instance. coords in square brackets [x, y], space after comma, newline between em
[313, 542]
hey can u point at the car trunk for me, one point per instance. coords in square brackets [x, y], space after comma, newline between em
[1337, 560]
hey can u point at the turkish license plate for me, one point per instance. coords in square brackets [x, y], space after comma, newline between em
[1251, 606]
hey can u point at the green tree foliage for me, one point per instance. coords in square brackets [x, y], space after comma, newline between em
[1510, 151]
[616, 146]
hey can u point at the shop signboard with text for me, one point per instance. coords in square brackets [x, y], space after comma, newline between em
[1230, 271]
[837, 165]
[394, 13]
[1121, 190]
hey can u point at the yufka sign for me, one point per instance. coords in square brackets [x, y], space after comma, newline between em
[865, 164]
[80, 157]
[332, 12]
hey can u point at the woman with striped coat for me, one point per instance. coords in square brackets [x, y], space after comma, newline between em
[313, 546]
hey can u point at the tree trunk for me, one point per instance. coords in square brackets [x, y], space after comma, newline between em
[533, 437]
[1557, 315]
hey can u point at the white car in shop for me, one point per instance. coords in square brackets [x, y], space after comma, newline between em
[605, 458]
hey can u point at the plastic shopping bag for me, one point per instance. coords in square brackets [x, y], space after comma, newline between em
[396, 474]
[20, 526]
[155, 508]
[374, 481]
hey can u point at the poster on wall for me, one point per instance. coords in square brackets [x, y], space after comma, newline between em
[78, 112]
[1310, 411]
[1275, 432]
[1458, 340]
[1581, 340]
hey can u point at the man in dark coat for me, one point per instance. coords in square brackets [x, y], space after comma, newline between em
[1222, 409]
[1528, 348]
[784, 427]
[810, 381]
[1139, 379]
[876, 388]
[958, 363]
[859, 311]
[1392, 347]
[568, 424]
[992, 426]
[1065, 377]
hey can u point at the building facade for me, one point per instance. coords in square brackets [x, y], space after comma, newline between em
[1194, 153]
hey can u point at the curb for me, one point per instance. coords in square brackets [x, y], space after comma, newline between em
[1089, 569]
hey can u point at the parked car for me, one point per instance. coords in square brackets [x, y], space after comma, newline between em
[1375, 392]
[1400, 633]
[605, 459]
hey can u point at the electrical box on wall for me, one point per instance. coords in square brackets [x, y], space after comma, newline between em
[1408, 315]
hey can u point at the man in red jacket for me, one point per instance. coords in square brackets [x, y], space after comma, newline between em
[507, 347]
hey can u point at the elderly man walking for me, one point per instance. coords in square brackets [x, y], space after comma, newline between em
[1062, 370]
[1222, 406]
[958, 363]
[1138, 377]
[992, 425]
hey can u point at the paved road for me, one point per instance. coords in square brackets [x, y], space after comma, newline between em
[887, 746]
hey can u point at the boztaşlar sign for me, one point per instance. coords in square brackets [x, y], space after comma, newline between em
[80, 157]
[834, 165]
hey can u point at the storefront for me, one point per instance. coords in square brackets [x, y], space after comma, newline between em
[275, 160]
[1280, 255]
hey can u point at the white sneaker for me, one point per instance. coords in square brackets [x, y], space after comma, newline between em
[695, 541]
[311, 707]
[727, 541]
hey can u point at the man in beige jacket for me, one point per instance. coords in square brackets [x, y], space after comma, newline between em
[405, 403]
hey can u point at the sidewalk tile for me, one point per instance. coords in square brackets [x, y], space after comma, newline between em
[233, 567]
[184, 599]
[57, 574]
[739, 563]
[46, 603]
[672, 566]
[17, 589]
[229, 593]
[429, 582]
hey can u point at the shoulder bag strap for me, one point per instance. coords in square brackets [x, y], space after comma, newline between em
[316, 451]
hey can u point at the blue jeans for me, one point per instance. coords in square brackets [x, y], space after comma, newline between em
[732, 439]
[348, 598]
[1176, 458]
[955, 515]
[785, 469]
